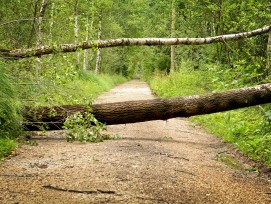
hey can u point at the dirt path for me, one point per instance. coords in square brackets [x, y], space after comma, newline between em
[153, 162]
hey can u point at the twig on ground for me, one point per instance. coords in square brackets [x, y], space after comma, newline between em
[173, 157]
[185, 172]
[78, 191]
[17, 175]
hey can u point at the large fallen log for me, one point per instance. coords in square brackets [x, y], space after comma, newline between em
[156, 109]
[64, 48]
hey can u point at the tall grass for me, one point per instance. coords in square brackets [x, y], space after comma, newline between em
[249, 129]
[82, 89]
[10, 119]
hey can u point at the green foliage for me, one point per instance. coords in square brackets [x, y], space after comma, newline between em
[6, 146]
[181, 83]
[58, 79]
[10, 120]
[84, 127]
[80, 88]
[248, 128]
[229, 161]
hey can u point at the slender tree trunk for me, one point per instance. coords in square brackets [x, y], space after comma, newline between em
[40, 35]
[85, 51]
[269, 54]
[173, 35]
[51, 23]
[76, 29]
[99, 51]
[89, 29]
[40, 19]
[33, 25]
[218, 22]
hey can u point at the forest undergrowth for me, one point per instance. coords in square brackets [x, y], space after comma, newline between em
[249, 129]
[80, 88]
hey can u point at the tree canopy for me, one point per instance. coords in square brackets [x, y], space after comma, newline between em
[20, 28]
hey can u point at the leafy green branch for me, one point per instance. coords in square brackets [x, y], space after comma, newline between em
[84, 127]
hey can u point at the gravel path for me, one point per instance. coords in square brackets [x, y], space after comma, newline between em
[170, 161]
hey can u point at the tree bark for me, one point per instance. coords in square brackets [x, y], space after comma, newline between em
[33, 25]
[269, 53]
[99, 51]
[40, 19]
[173, 28]
[45, 50]
[85, 65]
[157, 109]
[76, 28]
[51, 23]
[40, 35]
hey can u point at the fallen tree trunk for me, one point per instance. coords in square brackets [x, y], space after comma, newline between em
[156, 109]
[45, 50]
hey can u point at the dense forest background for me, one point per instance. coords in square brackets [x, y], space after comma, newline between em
[171, 70]
[29, 23]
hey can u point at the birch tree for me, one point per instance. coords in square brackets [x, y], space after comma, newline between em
[39, 24]
[40, 35]
[45, 50]
[51, 22]
[99, 50]
[173, 35]
[76, 30]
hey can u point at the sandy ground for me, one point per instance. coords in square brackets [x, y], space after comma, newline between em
[170, 161]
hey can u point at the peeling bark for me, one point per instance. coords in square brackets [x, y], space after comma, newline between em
[156, 109]
[45, 50]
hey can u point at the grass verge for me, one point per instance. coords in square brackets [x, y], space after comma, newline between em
[249, 129]
[6, 146]
[10, 119]
[81, 89]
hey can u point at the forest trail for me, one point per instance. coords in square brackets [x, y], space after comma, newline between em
[170, 161]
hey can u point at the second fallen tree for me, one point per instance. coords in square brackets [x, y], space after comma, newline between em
[65, 48]
[156, 109]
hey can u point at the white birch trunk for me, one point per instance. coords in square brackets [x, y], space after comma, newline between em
[51, 23]
[99, 51]
[40, 35]
[85, 66]
[45, 50]
[76, 29]
[40, 19]
[173, 28]
[88, 56]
